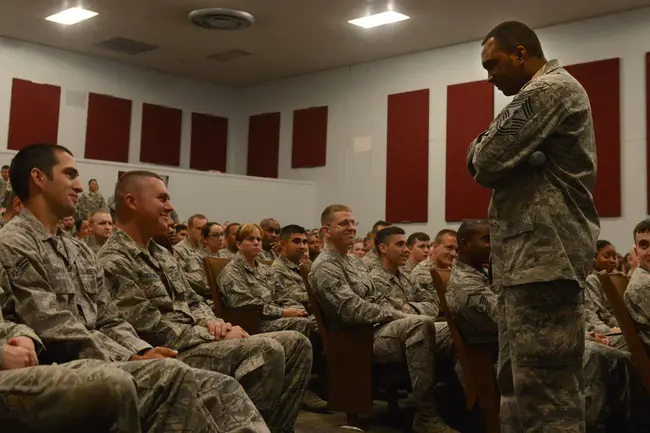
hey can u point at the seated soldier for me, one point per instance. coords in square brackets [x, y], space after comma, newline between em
[246, 282]
[14, 206]
[68, 225]
[82, 228]
[358, 248]
[608, 372]
[153, 294]
[270, 232]
[293, 245]
[181, 232]
[637, 293]
[231, 242]
[418, 244]
[314, 244]
[56, 287]
[370, 259]
[442, 256]
[348, 296]
[213, 238]
[101, 227]
[191, 246]
[595, 299]
[167, 240]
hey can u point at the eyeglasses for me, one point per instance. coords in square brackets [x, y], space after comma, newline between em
[347, 223]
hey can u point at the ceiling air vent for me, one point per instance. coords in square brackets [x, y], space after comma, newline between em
[126, 46]
[222, 19]
[226, 56]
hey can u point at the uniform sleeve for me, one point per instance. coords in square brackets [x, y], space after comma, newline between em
[594, 301]
[282, 290]
[136, 308]
[333, 290]
[516, 133]
[426, 302]
[289, 288]
[103, 204]
[202, 312]
[195, 274]
[235, 292]
[478, 308]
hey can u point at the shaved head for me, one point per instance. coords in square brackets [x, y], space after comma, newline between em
[130, 183]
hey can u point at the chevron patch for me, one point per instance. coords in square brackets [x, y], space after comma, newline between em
[515, 116]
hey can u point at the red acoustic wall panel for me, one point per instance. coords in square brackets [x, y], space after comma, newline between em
[209, 142]
[34, 115]
[470, 110]
[108, 128]
[601, 80]
[161, 135]
[407, 157]
[309, 147]
[263, 145]
[647, 101]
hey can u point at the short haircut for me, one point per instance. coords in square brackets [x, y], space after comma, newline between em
[127, 183]
[267, 221]
[510, 34]
[196, 216]
[98, 211]
[229, 226]
[375, 226]
[77, 223]
[642, 227]
[468, 229]
[290, 230]
[384, 234]
[602, 243]
[445, 232]
[247, 230]
[5, 167]
[417, 237]
[328, 213]
[205, 230]
[41, 156]
[91, 181]
[180, 227]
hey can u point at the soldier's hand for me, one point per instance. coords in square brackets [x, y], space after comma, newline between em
[235, 333]
[218, 329]
[26, 343]
[14, 357]
[294, 312]
[156, 353]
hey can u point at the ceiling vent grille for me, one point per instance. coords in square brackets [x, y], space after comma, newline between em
[126, 46]
[227, 56]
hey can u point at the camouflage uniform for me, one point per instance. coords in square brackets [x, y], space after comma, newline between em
[348, 296]
[408, 268]
[371, 260]
[57, 289]
[226, 254]
[421, 276]
[543, 231]
[288, 275]
[637, 301]
[153, 294]
[190, 258]
[244, 285]
[596, 301]
[404, 296]
[268, 255]
[93, 244]
[88, 203]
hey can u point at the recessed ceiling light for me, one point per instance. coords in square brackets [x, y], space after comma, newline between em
[71, 16]
[380, 19]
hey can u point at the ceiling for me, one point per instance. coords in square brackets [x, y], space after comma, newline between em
[289, 38]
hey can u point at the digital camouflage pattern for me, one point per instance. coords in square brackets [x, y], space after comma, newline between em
[371, 260]
[288, 275]
[153, 294]
[402, 295]
[88, 203]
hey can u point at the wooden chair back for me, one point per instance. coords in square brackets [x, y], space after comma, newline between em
[349, 360]
[476, 361]
[249, 319]
[630, 333]
[620, 282]
[213, 267]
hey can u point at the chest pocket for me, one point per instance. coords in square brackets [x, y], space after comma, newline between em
[355, 280]
[151, 284]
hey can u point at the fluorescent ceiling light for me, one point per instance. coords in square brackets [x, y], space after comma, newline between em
[71, 16]
[380, 19]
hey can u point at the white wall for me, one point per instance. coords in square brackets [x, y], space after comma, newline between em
[221, 197]
[79, 74]
[357, 99]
